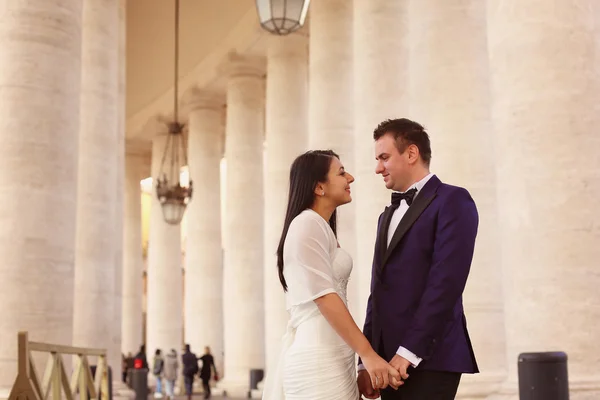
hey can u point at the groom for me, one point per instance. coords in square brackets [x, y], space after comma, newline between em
[423, 254]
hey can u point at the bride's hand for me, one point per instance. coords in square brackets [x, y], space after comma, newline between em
[382, 374]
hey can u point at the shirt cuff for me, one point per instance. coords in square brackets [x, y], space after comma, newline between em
[410, 356]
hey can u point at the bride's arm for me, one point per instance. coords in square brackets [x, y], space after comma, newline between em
[335, 312]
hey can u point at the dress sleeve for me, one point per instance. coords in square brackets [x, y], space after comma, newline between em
[307, 265]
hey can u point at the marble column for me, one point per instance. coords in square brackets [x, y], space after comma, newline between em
[330, 103]
[119, 197]
[243, 274]
[164, 325]
[93, 317]
[39, 116]
[133, 264]
[380, 92]
[204, 250]
[546, 108]
[450, 95]
[286, 138]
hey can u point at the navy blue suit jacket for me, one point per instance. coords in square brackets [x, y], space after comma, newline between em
[417, 282]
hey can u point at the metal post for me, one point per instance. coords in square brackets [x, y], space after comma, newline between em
[543, 376]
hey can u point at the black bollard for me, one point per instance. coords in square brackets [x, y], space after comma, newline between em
[139, 383]
[543, 376]
[256, 375]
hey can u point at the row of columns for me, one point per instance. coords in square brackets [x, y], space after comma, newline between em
[509, 120]
[450, 66]
[63, 111]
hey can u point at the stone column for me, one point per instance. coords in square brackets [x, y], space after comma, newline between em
[450, 96]
[164, 326]
[243, 274]
[380, 92]
[204, 250]
[133, 264]
[286, 138]
[546, 91]
[119, 199]
[93, 318]
[330, 103]
[38, 173]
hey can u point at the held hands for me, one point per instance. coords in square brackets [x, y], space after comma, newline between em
[380, 374]
[401, 365]
[366, 381]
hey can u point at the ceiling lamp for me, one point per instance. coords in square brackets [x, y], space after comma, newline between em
[282, 17]
[172, 193]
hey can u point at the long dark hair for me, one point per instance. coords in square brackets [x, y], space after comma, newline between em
[306, 172]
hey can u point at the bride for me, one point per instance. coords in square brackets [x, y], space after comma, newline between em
[317, 357]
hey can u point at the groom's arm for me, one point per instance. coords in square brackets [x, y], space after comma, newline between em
[368, 327]
[451, 261]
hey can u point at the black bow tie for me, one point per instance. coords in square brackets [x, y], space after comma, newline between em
[408, 196]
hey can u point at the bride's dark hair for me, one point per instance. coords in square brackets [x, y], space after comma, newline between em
[306, 172]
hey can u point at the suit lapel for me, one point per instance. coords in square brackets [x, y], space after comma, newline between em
[421, 202]
[382, 238]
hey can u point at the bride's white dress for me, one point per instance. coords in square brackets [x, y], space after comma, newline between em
[315, 363]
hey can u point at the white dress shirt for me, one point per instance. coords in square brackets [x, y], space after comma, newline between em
[395, 221]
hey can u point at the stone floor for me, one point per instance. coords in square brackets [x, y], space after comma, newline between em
[199, 396]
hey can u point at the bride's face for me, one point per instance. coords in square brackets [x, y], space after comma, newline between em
[337, 187]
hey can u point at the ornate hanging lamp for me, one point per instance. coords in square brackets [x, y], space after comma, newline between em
[282, 17]
[174, 194]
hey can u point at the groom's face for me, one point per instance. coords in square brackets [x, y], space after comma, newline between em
[391, 165]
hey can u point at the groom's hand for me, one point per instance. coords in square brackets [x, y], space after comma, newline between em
[401, 364]
[365, 387]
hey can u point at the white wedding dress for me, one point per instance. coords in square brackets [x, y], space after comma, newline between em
[315, 363]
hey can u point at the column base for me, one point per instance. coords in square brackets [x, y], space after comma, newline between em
[121, 391]
[234, 388]
[5, 393]
[479, 386]
[579, 389]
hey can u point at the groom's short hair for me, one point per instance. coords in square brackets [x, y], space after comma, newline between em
[405, 133]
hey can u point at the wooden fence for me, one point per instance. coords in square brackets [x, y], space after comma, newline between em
[55, 382]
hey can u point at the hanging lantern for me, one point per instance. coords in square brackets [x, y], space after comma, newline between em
[282, 17]
[173, 194]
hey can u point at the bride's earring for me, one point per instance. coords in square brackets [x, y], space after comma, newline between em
[323, 193]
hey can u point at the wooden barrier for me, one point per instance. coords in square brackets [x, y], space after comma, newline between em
[55, 382]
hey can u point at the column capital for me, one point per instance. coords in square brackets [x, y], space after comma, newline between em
[236, 65]
[195, 98]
